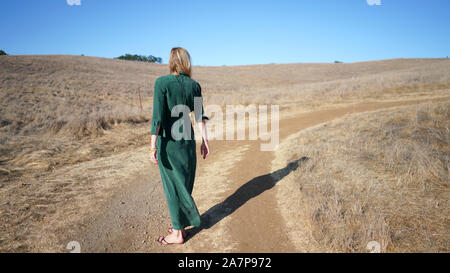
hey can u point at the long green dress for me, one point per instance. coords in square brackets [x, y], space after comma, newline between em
[177, 155]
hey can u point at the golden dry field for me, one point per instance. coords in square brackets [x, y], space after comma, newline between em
[74, 161]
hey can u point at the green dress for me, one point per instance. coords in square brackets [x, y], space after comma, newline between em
[177, 155]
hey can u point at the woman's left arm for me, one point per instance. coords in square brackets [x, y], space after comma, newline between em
[201, 119]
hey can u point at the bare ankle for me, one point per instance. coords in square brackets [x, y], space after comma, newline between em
[177, 233]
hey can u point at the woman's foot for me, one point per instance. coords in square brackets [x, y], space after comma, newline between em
[175, 237]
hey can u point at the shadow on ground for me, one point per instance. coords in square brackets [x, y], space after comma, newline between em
[249, 190]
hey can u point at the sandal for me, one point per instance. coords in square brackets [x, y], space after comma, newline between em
[183, 232]
[162, 240]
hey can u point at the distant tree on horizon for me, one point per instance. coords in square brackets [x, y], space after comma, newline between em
[140, 58]
[2, 52]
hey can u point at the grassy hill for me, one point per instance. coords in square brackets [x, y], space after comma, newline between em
[78, 96]
[87, 94]
[59, 112]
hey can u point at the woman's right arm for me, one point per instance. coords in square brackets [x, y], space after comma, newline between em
[158, 103]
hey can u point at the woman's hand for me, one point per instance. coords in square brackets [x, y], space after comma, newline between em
[204, 149]
[153, 158]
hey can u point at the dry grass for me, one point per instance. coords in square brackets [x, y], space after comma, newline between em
[379, 176]
[80, 95]
[60, 111]
[53, 105]
[85, 95]
[51, 102]
[313, 85]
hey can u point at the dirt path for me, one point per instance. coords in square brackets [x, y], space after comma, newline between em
[234, 192]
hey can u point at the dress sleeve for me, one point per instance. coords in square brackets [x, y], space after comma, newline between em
[199, 96]
[158, 104]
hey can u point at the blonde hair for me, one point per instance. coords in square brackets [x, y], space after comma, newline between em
[180, 60]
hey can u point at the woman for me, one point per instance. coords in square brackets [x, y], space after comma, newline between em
[175, 155]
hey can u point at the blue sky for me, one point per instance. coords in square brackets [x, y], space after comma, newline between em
[230, 32]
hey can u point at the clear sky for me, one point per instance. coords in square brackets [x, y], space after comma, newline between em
[229, 32]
